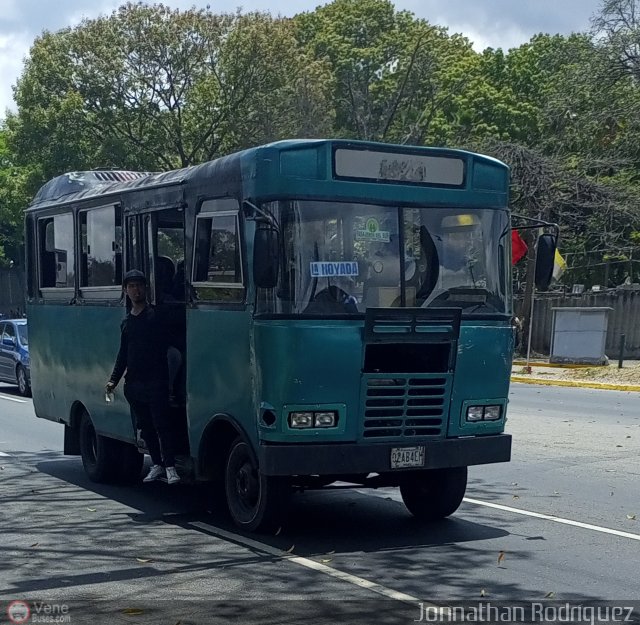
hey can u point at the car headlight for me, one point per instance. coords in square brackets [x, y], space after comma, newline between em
[484, 413]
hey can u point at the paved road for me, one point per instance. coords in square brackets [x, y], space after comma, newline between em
[575, 464]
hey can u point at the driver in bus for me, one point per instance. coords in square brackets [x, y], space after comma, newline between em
[460, 265]
[143, 356]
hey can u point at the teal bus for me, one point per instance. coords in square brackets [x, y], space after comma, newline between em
[341, 313]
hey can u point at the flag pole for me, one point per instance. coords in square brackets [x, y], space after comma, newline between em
[533, 301]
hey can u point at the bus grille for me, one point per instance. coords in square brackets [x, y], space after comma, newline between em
[405, 407]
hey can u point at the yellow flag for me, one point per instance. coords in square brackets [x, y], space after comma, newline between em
[559, 266]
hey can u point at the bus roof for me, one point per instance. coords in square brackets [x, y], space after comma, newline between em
[299, 160]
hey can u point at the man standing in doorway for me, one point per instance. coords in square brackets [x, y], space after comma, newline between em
[143, 354]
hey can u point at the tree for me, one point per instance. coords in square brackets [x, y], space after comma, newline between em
[617, 24]
[389, 70]
[150, 88]
[290, 96]
[15, 184]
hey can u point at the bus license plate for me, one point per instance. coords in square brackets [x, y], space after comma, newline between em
[406, 457]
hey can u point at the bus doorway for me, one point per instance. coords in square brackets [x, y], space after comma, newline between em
[163, 262]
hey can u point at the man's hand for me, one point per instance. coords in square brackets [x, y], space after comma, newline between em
[109, 387]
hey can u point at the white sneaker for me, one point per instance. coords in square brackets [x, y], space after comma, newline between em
[172, 475]
[155, 472]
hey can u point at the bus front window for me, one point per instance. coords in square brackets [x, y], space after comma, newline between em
[342, 258]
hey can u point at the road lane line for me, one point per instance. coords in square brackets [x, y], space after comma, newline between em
[311, 564]
[555, 519]
[19, 401]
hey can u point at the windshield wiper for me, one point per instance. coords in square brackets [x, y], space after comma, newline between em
[466, 297]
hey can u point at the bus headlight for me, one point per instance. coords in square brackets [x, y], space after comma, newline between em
[325, 419]
[301, 419]
[492, 413]
[474, 413]
[320, 419]
[484, 413]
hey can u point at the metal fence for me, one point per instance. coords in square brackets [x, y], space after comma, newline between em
[12, 292]
[624, 318]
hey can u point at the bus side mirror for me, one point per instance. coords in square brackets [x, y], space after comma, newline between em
[545, 258]
[265, 256]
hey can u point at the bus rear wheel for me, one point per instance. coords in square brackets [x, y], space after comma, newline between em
[107, 460]
[256, 502]
[97, 452]
[435, 494]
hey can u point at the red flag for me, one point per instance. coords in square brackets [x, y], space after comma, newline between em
[518, 247]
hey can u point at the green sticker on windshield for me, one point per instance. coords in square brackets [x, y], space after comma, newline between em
[372, 232]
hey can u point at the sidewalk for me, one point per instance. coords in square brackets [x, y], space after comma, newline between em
[608, 377]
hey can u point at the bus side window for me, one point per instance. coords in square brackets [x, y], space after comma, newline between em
[56, 252]
[217, 269]
[47, 254]
[101, 257]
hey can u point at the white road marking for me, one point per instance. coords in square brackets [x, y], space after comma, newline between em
[312, 564]
[19, 401]
[536, 515]
[555, 519]
[4, 455]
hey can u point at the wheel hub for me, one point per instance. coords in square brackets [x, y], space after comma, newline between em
[246, 483]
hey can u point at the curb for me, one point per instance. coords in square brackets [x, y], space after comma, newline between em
[574, 384]
[556, 365]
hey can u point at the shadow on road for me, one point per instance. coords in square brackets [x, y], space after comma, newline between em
[373, 537]
[348, 520]
[11, 390]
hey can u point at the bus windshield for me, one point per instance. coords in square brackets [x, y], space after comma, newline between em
[342, 258]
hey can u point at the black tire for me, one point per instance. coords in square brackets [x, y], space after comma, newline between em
[99, 453]
[256, 502]
[23, 382]
[435, 494]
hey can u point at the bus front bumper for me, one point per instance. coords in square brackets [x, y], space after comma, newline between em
[351, 458]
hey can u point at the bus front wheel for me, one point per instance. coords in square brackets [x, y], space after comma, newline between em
[435, 494]
[256, 502]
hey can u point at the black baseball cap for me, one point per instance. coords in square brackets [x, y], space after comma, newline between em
[134, 275]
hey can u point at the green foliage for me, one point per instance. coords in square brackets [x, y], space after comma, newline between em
[392, 74]
[15, 185]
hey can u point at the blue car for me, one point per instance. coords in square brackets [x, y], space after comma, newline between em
[14, 354]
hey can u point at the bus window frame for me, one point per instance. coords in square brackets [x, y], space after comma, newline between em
[54, 293]
[149, 252]
[133, 255]
[109, 293]
[208, 210]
